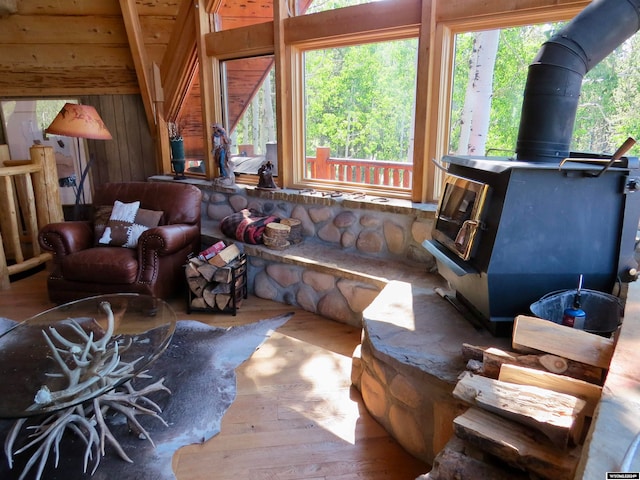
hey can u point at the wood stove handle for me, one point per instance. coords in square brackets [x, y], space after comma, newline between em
[624, 148]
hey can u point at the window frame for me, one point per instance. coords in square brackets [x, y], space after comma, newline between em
[434, 23]
[298, 92]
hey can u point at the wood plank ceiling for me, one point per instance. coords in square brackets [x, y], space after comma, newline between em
[81, 47]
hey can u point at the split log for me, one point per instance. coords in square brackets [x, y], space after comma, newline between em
[494, 358]
[197, 285]
[212, 291]
[472, 352]
[208, 271]
[198, 302]
[515, 444]
[558, 383]
[560, 417]
[453, 462]
[225, 256]
[578, 345]
[223, 275]
[223, 300]
[191, 270]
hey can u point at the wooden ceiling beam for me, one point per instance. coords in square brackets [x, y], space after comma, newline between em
[211, 111]
[180, 62]
[139, 54]
[399, 15]
[241, 42]
[528, 11]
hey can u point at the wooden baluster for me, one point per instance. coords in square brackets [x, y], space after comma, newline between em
[322, 163]
[46, 188]
[4, 269]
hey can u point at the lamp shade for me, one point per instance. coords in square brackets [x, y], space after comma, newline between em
[80, 121]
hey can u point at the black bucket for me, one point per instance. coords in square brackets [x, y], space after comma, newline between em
[604, 311]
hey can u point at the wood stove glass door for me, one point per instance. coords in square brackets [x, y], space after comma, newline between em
[459, 214]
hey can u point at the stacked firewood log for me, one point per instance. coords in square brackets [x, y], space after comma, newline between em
[529, 408]
[210, 280]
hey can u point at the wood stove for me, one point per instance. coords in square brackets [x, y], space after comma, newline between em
[507, 232]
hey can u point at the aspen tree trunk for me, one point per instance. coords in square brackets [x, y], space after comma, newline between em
[477, 103]
[268, 110]
[255, 107]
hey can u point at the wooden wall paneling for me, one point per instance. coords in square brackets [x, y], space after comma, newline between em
[159, 7]
[55, 70]
[109, 108]
[130, 156]
[64, 83]
[142, 156]
[99, 172]
[126, 139]
[156, 30]
[46, 7]
[69, 29]
[50, 57]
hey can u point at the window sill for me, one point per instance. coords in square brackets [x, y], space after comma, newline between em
[315, 197]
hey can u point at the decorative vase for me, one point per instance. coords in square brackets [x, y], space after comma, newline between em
[177, 158]
[178, 168]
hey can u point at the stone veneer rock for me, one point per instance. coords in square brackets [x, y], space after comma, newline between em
[390, 231]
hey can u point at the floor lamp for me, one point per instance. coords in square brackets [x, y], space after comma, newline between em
[79, 121]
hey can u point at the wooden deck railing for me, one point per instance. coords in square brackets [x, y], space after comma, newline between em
[29, 199]
[368, 172]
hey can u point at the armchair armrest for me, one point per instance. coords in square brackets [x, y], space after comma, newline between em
[64, 238]
[168, 239]
[163, 241]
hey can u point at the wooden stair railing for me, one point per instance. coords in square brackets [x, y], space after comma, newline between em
[29, 200]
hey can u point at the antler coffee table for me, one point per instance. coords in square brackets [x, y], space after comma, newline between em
[64, 369]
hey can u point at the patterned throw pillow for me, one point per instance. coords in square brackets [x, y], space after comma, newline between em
[101, 215]
[126, 223]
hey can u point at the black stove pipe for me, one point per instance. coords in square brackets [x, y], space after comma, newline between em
[555, 77]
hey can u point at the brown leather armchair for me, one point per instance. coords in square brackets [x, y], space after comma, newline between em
[154, 267]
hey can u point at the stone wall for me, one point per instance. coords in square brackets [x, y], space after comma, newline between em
[343, 236]
[393, 229]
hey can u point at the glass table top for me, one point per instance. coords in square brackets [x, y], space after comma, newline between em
[74, 352]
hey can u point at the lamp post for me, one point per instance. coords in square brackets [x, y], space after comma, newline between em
[79, 121]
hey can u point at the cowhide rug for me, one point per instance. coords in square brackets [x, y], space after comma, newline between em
[199, 369]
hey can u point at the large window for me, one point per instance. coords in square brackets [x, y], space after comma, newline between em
[489, 78]
[250, 113]
[359, 114]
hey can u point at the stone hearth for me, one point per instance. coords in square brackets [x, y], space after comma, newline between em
[408, 364]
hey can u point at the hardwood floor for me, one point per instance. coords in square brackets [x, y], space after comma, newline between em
[295, 416]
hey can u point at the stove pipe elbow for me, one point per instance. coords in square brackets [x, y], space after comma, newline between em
[555, 77]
